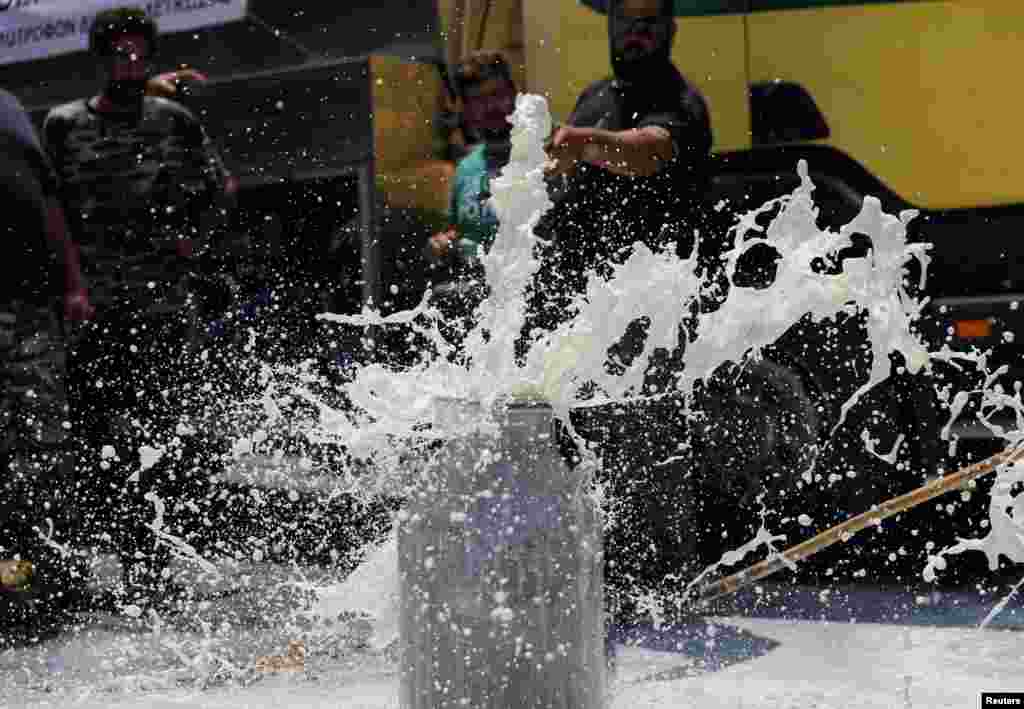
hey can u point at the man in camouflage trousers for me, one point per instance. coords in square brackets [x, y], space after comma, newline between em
[40, 571]
[145, 191]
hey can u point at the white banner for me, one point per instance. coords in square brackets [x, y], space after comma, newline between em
[34, 29]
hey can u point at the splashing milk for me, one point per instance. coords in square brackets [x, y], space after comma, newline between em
[394, 410]
[397, 407]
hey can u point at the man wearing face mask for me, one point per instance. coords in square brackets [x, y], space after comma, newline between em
[145, 192]
[484, 83]
[630, 165]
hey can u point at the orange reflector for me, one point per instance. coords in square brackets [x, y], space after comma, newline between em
[972, 328]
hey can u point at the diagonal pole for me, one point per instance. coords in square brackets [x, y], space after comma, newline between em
[843, 531]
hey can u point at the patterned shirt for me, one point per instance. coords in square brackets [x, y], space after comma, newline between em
[134, 184]
[470, 212]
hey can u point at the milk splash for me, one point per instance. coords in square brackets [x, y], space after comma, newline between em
[1006, 505]
[395, 405]
[394, 409]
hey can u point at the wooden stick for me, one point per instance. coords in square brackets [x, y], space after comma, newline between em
[845, 530]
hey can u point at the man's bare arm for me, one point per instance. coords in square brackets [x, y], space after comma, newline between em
[634, 152]
[76, 299]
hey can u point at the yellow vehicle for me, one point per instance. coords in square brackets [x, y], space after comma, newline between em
[912, 101]
[916, 91]
[903, 85]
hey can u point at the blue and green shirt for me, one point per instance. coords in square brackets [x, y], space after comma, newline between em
[469, 210]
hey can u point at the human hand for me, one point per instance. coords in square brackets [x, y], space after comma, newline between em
[77, 307]
[440, 244]
[565, 150]
[166, 84]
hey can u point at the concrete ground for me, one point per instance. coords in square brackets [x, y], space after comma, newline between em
[781, 647]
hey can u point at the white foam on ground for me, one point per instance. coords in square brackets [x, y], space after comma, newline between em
[371, 591]
[822, 665]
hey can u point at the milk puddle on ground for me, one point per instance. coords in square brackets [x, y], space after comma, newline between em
[730, 663]
[206, 657]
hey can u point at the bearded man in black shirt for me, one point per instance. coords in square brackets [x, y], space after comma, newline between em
[633, 164]
[633, 159]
